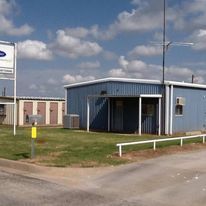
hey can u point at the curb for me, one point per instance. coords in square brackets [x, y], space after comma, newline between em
[26, 167]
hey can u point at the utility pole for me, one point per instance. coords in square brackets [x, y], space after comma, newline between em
[163, 43]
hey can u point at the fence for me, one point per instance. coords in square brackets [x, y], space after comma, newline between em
[154, 141]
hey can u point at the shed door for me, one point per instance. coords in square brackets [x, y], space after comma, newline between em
[53, 113]
[28, 110]
[41, 109]
[149, 116]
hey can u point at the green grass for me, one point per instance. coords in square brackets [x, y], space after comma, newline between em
[62, 147]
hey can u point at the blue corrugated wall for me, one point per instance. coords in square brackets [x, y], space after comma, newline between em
[194, 110]
[77, 98]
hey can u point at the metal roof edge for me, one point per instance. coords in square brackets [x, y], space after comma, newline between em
[40, 98]
[146, 81]
[184, 84]
[33, 98]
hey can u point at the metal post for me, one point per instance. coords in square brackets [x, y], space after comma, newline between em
[154, 145]
[33, 137]
[171, 109]
[203, 139]
[181, 142]
[163, 46]
[120, 150]
[140, 115]
[159, 129]
[15, 112]
[32, 148]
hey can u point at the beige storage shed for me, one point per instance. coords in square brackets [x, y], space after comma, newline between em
[51, 109]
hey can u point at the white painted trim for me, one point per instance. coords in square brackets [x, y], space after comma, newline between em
[171, 110]
[140, 115]
[151, 95]
[184, 84]
[88, 112]
[146, 81]
[47, 116]
[65, 109]
[167, 90]
[15, 106]
[159, 130]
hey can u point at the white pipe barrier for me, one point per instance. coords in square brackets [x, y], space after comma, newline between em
[154, 141]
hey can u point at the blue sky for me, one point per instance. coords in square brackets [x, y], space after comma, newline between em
[67, 41]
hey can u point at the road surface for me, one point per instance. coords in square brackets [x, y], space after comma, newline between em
[171, 180]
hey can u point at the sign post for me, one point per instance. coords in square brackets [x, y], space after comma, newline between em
[34, 119]
[33, 137]
[8, 52]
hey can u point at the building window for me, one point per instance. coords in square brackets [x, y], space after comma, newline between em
[179, 110]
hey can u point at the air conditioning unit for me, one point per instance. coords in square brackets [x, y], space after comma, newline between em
[180, 101]
[71, 121]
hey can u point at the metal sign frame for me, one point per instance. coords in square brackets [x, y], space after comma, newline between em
[8, 71]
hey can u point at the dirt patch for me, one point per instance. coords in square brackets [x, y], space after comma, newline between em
[40, 160]
[136, 156]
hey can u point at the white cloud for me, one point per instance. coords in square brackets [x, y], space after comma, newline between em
[89, 65]
[78, 32]
[139, 69]
[117, 72]
[73, 47]
[143, 50]
[52, 81]
[7, 26]
[70, 79]
[33, 87]
[31, 49]
[199, 39]
[123, 62]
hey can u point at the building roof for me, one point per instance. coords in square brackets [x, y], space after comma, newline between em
[143, 81]
[111, 79]
[34, 98]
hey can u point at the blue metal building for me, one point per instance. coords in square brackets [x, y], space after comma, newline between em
[141, 106]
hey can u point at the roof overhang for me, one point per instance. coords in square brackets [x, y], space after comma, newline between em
[111, 79]
[126, 96]
[184, 84]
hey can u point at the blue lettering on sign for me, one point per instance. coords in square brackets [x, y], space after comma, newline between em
[2, 54]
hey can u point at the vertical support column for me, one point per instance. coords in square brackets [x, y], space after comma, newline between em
[65, 96]
[88, 108]
[171, 109]
[160, 106]
[108, 115]
[140, 115]
[167, 109]
[15, 106]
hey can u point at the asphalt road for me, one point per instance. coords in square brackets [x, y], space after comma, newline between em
[165, 181]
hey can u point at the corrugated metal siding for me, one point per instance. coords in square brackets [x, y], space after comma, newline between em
[77, 98]
[9, 119]
[132, 89]
[194, 110]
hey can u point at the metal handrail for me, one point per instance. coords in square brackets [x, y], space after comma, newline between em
[154, 141]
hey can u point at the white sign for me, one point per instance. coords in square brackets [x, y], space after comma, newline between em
[7, 58]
